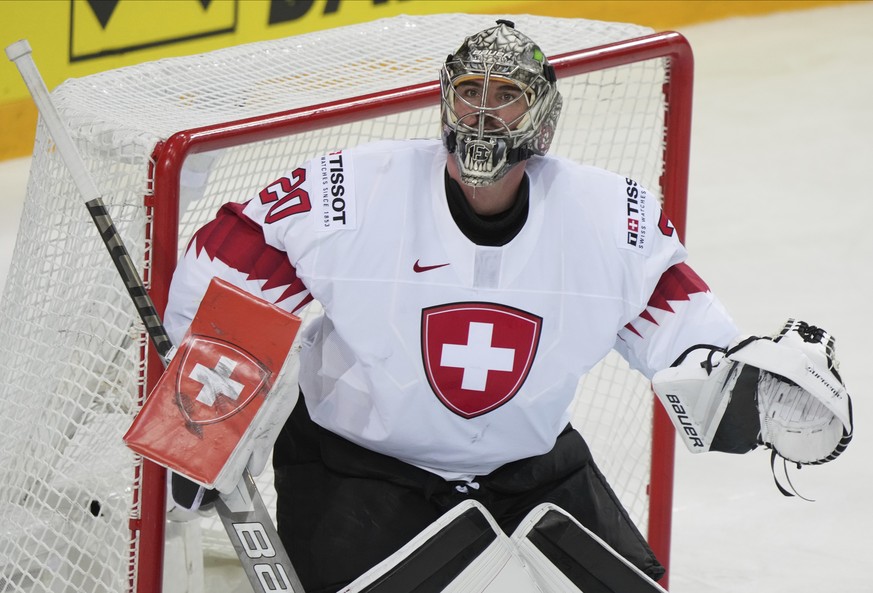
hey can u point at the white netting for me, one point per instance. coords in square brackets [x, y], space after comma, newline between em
[70, 341]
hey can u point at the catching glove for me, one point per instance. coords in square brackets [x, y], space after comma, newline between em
[784, 392]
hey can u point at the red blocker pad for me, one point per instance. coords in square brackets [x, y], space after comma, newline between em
[196, 417]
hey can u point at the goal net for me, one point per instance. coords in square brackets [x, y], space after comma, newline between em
[168, 142]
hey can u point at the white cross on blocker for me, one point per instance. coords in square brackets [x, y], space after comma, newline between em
[216, 381]
[477, 357]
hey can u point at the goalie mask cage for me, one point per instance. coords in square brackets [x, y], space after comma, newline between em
[167, 142]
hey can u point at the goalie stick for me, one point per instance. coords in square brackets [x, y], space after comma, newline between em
[251, 530]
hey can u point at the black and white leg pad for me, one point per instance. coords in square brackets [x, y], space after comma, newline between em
[465, 551]
[784, 392]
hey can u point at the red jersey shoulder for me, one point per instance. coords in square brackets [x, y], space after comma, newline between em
[676, 285]
[236, 240]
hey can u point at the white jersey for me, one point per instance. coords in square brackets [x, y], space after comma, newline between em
[451, 356]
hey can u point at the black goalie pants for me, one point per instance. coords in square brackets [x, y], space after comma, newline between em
[342, 509]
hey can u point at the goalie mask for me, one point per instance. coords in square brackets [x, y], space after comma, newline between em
[500, 103]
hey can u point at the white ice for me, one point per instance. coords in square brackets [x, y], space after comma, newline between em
[780, 224]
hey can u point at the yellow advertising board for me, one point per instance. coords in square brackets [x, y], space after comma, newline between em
[100, 29]
[74, 38]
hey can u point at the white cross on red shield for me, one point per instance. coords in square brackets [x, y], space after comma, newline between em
[477, 355]
[241, 371]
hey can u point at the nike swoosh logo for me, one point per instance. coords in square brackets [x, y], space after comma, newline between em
[418, 268]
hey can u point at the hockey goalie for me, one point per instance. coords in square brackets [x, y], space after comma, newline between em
[465, 285]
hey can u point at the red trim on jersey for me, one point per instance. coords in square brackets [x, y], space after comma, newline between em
[235, 239]
[678, 283]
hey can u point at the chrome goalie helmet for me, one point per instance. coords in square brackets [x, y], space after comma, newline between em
[500, 103]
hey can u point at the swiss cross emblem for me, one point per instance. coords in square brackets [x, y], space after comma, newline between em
[477, 355]
[216, 380]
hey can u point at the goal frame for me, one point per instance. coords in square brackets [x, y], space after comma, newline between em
[168, 157]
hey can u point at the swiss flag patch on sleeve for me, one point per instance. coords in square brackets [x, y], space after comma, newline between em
[220, 377]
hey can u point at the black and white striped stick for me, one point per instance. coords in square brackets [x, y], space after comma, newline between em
[251, 531]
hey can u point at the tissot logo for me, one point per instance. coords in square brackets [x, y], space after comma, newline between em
[216, 380]
[477, 355]
[337, 192]
[635, 200]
